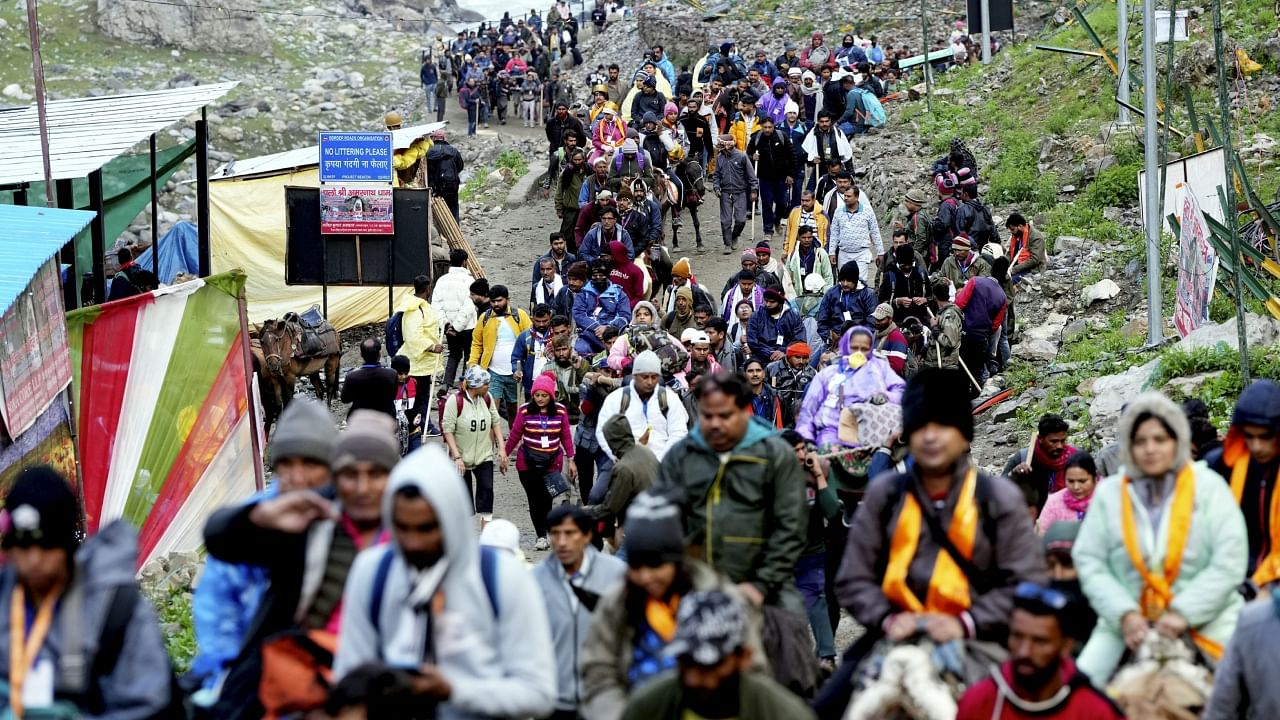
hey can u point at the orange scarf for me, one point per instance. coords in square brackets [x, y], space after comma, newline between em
[661, 617]
[23, 650]
[948, 586]
[1236, 455]
[1157, 590]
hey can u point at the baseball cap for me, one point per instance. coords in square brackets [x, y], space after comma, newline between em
[882, 311]
[709, 627]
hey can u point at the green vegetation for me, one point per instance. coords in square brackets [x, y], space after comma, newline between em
[173, 610]
[1218, 393]
[1014, 177]
[515, 162]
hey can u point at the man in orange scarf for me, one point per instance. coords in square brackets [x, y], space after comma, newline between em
[1045, 472]
[1250, 460]
[922, 558]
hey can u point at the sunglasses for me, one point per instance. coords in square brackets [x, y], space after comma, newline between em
[1050, 598]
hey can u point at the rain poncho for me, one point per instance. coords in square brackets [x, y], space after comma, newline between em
[840, 385]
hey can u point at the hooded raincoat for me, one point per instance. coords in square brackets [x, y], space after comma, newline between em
[839, 385]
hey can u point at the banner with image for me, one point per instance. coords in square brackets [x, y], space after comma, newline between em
[35, 364]
[1197, 265]
[350, 210]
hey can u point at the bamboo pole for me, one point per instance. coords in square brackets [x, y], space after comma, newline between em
[453, 236]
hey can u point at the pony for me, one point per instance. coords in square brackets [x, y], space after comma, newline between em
[280, 342]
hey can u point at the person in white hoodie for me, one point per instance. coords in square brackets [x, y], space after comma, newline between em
[469, 621]
[656, 413]
[452, 300]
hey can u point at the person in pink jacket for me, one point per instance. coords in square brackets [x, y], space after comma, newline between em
[1071, 502]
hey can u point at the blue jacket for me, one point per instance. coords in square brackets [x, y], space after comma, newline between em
[592, 308]
[859, 305]
[428, 74]
[764, 331]
[765, 68]
[668, 69]
[523, 356]
[593, 248]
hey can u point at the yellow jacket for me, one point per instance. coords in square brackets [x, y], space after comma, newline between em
[407, 159]
[793, 228]
[738, 129]
[485, 336]
[420, 327]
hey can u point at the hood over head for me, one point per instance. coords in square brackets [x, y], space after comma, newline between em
[1259, 404]
[619, 253]
[1157, 405]
[648, 306]
[617, 432]
[436, 478]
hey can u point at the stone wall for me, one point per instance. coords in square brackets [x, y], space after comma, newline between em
[231, 27]
[675, 27]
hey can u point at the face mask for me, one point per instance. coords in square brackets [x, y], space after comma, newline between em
[848, 43]
[600, 285]
[856, 360]
[857, 78]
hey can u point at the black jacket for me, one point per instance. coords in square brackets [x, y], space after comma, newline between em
[699, 131]
[558, 129]
[777, 161]
[371, 388]
[444, 166]
[834, 98]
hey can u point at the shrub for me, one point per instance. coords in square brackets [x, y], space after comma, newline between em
[1117, 186]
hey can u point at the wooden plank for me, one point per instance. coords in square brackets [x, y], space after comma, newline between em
[452, 234]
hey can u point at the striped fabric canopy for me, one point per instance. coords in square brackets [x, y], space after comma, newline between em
[163, 410]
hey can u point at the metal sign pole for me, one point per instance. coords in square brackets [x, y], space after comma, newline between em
[986, 32]
[927, 66]
[1122, 59]
[1155, 321]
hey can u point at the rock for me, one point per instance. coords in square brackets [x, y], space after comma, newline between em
[1050, 329]
[1259, 331]
[1135, 328]
[1008, 410]
[355, 80]
[1036, 350]
[1104, 289]
[1075, 330]
[1190, 386]
[231, 133]
[1113, 391]
[230, 26]
[1070, 243]
[347, 30]
[1271, 48]
[14, 91]
[1068, 189]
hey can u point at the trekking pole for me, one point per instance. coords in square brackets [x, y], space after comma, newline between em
[966, 372]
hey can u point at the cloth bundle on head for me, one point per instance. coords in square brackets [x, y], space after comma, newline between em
[653, 531]
[682, 268]
[882, 311]
[370, 437]
[935, 395]
[646, 362]
[791, 108]
[40, 510]
[546, 382]
[799, 349]
[961, 240]
[602, 160]
[476, 377]
[305, 430]
[808, 75]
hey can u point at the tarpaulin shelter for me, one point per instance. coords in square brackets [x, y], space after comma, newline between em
[179, 253]
[85, 136]
[35, 364]
[167, 430]
[248, 228]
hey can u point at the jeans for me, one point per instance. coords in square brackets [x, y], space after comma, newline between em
[535, 489]
[997, 354]
[430, 90]
[773, 198]
[484, 113]
[459, 345]
[594, 468]
[479, 481]
[852, 128]
[439, 109]
[471, 119]
[810, 573]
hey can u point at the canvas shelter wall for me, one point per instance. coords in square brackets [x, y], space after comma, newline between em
[247, 231]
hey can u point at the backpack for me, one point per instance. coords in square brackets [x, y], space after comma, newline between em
[674, 358]
[488, 573]
[872, 110]
[442, 174]
[457, 401]
[982, 228]
[394, 333]
[663, 404]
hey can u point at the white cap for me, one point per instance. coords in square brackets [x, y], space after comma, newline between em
[503, 535]
[647, 362]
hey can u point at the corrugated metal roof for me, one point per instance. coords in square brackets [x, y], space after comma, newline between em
[84, 133]
[308, 156]
[29, 236]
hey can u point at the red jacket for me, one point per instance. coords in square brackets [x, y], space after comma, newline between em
[626, 274]
[1084, 702]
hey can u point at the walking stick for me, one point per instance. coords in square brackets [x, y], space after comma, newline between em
[755, 167]
[966, 372]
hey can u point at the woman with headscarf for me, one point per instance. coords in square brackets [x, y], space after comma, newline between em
[858, 378]
[1163, 547]
[644, 333]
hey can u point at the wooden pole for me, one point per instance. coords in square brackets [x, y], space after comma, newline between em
[452, 234]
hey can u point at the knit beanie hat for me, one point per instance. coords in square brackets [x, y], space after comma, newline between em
[682, 268]
[687, 293]
[546, 383]
[653, 531]
[579, 271]
[370, 437]
[750, 254]
[647, 362]
[849, 272]
[940, 396]
[305, 430]
[670, 109]
[40, 510]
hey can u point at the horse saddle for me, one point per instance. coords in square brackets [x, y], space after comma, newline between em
[313, 335]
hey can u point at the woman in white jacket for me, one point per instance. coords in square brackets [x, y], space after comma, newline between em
[452, 300]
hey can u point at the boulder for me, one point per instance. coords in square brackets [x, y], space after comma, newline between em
[1036, 350]
[227, 27]
[1113, 391]
[1070, 243]
[1104, 289]
[1259, 331]
[1190, 386]
[15, 91]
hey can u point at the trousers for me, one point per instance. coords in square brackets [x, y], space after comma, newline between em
[774, 200]
[733, 214]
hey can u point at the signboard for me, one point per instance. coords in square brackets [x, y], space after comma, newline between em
[999, 17]
[36, 362]
[346, 210]
[1209, 169]
[355, 157]
[1197, 265]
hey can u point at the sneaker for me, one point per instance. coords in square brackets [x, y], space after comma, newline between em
[432, 430]
[542, 544]
[728, 250]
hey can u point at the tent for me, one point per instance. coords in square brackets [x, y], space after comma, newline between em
[179, 253]
[247, 230]
[161, 396]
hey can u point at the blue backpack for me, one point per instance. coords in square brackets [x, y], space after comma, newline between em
[488, 573]
[395, 336]
[873, 110]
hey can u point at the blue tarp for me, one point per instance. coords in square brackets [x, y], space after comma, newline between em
[178, 253]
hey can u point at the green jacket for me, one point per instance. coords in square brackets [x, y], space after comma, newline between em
[633, 471]
[745, 517]
[760, 698]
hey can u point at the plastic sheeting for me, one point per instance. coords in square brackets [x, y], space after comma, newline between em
[247, 231]
[179, 253]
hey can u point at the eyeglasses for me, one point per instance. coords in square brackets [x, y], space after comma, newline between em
[1050, 598]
